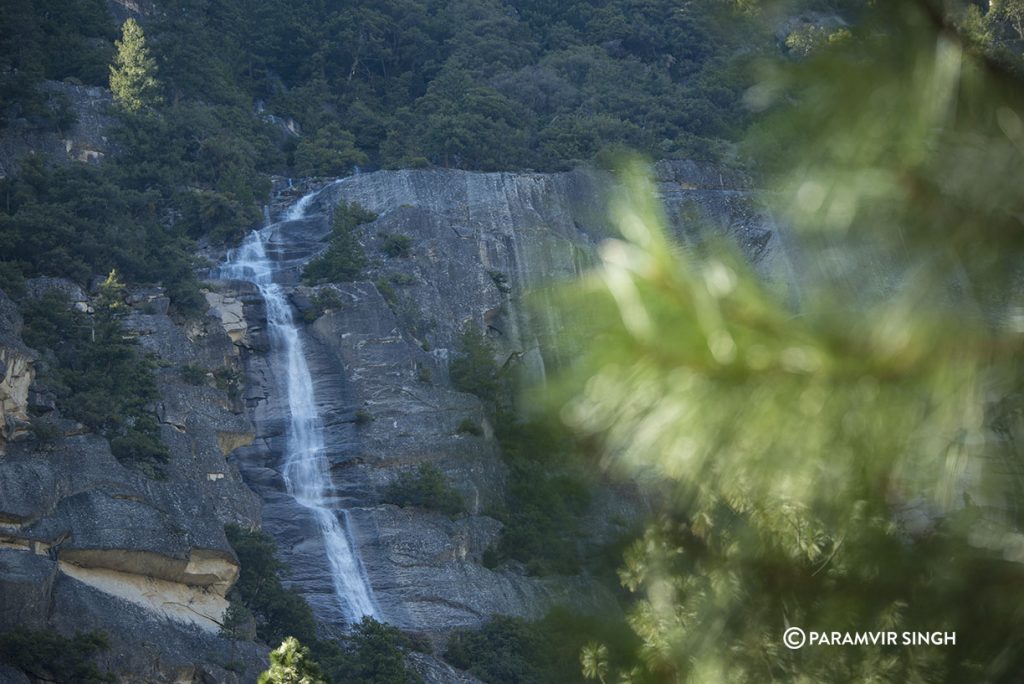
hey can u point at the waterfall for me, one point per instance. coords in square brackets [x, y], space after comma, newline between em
[306, 473]
[298, 210]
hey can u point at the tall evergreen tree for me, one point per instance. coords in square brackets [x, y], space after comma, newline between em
[291, 663]
[133, 74]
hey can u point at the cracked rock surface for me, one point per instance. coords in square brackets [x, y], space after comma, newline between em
[87, 543]
[477, 243]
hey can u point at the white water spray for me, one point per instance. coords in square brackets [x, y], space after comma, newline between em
[306, 473]
[298, 210]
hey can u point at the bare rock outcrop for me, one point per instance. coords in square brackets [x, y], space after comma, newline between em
[379, 355]
[16, 374]
[89, 543]
[85, 141]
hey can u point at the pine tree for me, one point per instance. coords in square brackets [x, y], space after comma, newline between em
[132, 76]
[837, 458]
[344, 259]
[474, 369]
[291, 663]
[594, 659]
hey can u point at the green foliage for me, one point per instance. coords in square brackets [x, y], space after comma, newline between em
[411, 82]
[490, 558]
[402, 279]
[229, 379]
[474, 369]
[50, 39]
[140, 445]
[280, 612]
[594, 659]
[190, 170]
[52, 657]
[344, 259]
[352, 215]
[239, 621]
[372, 653]
[469, 84]
[404, 305]
[548, 491]
[12, 282]
[512, 651]
[215, 188]
[193, 169]
[331, 152]
[424, 374]
[327, 298]
[193, 374]
[291, 663]
[468, 426]
[459, 122]
[808, 38]
[506, 650]
[998, 31]
[97, 372]
[500, 281]
[387, 290]
[76, 222]
[45, 433]
[783, 440]
[323, 300]
[132, 76]
[426, 487]
[397, 246]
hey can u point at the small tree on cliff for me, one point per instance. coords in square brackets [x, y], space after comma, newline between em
[474, 369]
[132, 79]
[291, 663]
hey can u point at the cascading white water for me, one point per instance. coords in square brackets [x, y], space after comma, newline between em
[299, 209]
[305, 464]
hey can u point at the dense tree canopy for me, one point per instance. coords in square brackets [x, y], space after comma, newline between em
[470, 83]
[53, 39]
[482, 84]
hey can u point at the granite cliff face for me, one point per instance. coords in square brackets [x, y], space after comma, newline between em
[89, 544]
[16, 374]
[478, 241]
[84, 141]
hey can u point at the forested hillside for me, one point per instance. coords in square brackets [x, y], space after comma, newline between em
[243, 88]
[208, 99]
[474, 84]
